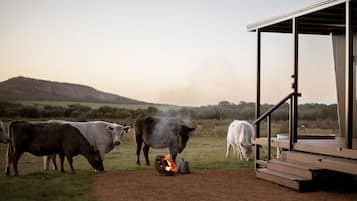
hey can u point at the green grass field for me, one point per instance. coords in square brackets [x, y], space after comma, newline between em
[203, 152]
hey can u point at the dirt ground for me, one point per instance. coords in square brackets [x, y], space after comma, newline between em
[208, 185]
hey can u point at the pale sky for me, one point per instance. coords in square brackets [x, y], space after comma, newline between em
[187, 52]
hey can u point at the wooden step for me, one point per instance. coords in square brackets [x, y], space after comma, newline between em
[303, 170]
[284, 179]
[324, 162]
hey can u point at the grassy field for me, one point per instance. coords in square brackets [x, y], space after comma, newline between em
[205, 150]
[202, 151]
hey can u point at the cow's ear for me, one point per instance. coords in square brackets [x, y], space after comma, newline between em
[191, 129]
[187, 129]
[126, 129]
[110, 128]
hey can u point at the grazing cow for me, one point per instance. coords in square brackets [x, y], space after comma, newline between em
[239, 136]
[102, 135]
[48, 138]
[159, 133]
[3, 136]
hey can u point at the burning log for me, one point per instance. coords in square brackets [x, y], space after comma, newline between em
[165, 165]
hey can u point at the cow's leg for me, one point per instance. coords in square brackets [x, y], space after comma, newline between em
[173, 152]
[46, 163]
[15, 161]
[70, 161]
[139, 143]
[101, 153]
[53, 158]
[174, 157]
[61, 160]
[146, 153]
[239, 152]
[229, 148]
[9, 159]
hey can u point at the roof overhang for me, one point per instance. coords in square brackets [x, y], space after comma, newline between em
[323, 17]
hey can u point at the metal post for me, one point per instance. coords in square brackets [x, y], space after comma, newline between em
[291, 123]
[257, 106]
[349, 76]
[269, 136]
[296, 80]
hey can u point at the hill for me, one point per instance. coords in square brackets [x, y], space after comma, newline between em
[28, 89]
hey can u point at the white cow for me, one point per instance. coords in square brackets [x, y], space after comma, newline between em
[239, 136]
[102, 135]
[4, 138]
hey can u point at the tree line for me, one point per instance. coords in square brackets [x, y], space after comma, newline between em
[246, 111]
[223, 110]
[77, 111]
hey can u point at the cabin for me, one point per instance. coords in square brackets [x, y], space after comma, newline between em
[301, 158]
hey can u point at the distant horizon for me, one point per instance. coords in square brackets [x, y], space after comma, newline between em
[238, 102]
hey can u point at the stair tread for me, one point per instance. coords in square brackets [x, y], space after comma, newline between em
[323, 157]
[283, 175]
[296, 164]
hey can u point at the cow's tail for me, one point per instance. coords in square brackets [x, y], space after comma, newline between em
[137, 134]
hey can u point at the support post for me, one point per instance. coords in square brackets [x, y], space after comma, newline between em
[269, 136]
[349, 76]
[257, 106]
[291, 123]
[296, 80]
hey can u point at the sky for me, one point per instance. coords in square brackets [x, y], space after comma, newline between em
[187, 52]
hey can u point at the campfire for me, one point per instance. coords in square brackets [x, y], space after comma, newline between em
[165, 165]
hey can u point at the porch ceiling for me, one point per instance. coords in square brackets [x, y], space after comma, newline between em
[322, 18]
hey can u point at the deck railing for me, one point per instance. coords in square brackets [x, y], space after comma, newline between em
[267, 116]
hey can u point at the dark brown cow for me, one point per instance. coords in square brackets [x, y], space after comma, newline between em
[159, 133]
[42, 139]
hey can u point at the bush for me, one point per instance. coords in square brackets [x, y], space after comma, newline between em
[30, 112]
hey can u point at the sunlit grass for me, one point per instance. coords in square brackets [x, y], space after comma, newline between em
[35, 184]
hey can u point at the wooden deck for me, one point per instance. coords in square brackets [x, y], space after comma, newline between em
[331, 147]
[310, 158]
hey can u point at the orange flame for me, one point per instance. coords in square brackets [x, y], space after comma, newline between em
[171, 163]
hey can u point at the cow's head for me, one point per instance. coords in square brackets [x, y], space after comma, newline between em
[247, 151]
[94, 159]
[117, 131]
[3, 135]
[184, 135]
